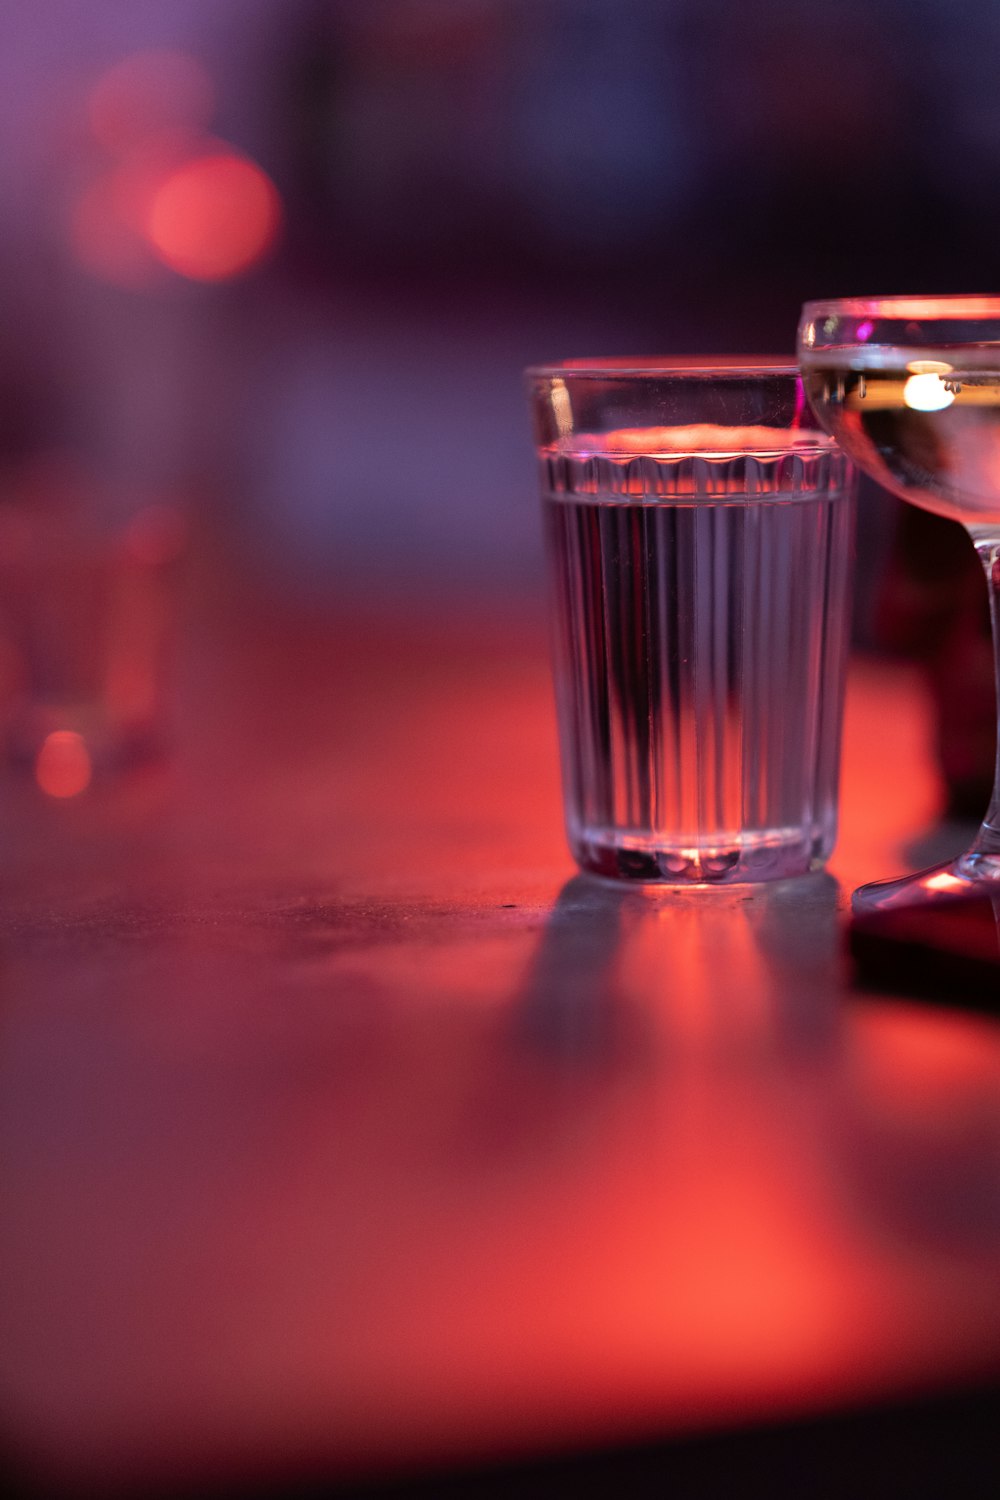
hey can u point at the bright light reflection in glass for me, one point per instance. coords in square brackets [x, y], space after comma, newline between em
[927, 393]
[62, 766]
[561, 408]
[943, 881]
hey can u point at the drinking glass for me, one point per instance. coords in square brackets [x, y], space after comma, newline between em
[87, 609]
[699, 532]
[910, 388]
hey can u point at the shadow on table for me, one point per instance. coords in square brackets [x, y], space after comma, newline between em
[617, 964]
[569, 1009]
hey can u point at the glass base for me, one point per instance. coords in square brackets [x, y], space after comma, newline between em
[774, 854]
[961, 877]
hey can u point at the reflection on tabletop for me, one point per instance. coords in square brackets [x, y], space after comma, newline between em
[344, 1124]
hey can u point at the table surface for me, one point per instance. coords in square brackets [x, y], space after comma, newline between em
[340, 1118]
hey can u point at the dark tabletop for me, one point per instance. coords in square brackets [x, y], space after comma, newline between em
[347, 1132]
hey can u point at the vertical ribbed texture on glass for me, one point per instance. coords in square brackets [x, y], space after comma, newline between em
[700, 633]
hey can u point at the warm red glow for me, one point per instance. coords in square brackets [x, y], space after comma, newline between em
[62, 766]
[925, 1067]
[886, 797]
[213, 217]
[156, 535]
[148, 93]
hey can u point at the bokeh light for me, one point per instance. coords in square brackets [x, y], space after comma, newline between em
[62, 766]
[213, 217]
[167, 192]
[148, 93]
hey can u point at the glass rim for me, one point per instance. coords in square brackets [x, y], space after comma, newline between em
[744, 366]
[955, 306]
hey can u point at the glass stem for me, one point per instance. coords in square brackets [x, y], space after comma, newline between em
[988, 548]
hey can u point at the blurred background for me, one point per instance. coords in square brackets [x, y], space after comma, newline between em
[282, 261]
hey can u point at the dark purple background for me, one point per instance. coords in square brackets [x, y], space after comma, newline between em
[470, 185]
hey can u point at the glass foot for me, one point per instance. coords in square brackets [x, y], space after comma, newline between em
[962, 877]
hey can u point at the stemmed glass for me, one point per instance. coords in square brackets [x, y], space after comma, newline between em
[910, 389]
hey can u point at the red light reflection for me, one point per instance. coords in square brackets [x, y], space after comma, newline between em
[62, 767]
[213, 217]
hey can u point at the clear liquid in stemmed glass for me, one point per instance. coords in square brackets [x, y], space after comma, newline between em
[910, 388]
